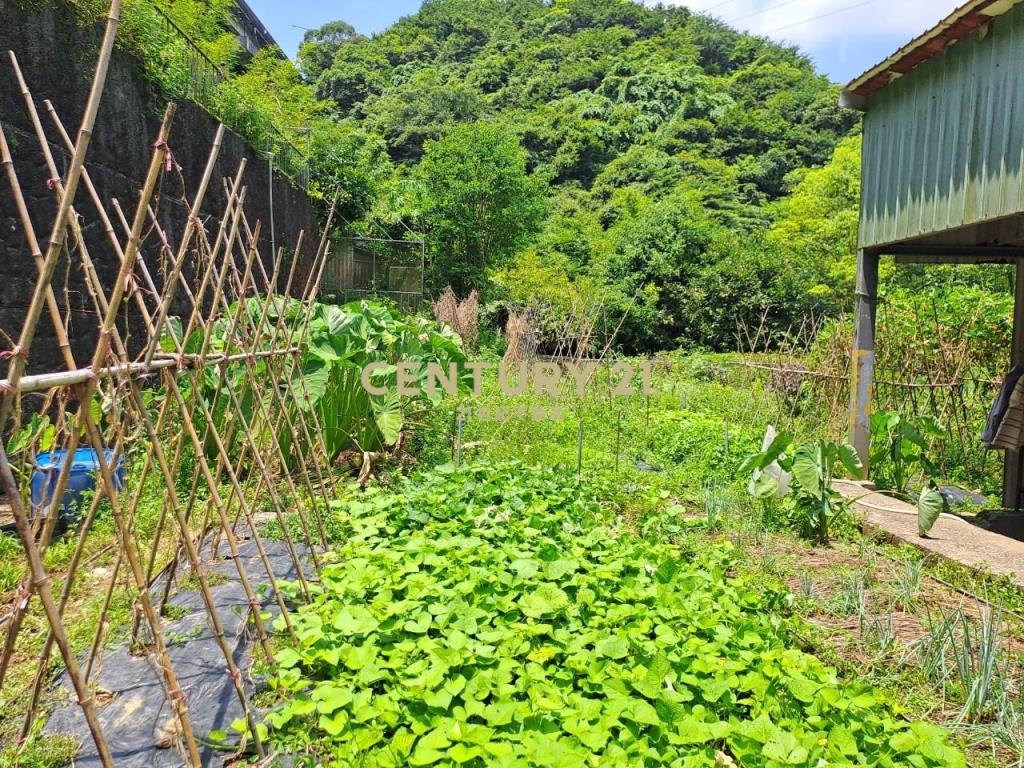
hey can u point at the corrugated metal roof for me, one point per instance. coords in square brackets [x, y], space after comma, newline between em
[944, 146]
[965, 20]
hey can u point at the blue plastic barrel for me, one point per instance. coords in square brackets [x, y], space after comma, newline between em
[83, 477]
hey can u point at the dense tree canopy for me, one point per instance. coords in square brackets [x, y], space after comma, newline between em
[482, 205]
[665, 143]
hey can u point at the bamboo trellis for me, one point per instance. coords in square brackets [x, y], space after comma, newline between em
[204, 407]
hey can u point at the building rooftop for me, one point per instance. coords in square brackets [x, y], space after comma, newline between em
[965, 20]
[252, 33]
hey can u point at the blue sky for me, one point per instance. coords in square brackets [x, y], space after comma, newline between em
[844, 37]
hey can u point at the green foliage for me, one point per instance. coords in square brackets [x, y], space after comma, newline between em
[421, 109]
[548, 284]
[38, 435]
[327, 375]
[899, 447]
[490, 616]
[342, 342]
[659, 252]
[321, 45]
[50, 751]
[811, 466]
[930, 504]
[662, 137]
[815, 227]
[706, 445]
[481, 204]
[188, 49]
[949, 326]
[11, 566]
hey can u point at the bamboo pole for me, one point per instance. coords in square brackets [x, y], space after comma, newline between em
[254, 450]
[85, 419]
[126, 377]
[22, 606]
[229, 534]
[140, 578]
[171, 385]
[186, 242]
[46, 381]
[44, 294]
[107, 331]
[16, 368]
[41, 585]
[33, 246]
[284, 410]
[264, 414]
[256, 329]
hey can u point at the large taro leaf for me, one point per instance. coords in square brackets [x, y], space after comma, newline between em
[850, 459]
[310, 382]
[930, 504]
[809, 468]
[387, 414]
[768, 456]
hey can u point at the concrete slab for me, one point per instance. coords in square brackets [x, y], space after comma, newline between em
[952, 538]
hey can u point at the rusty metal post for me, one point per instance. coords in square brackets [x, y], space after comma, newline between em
[1012, 469]
[863, 367]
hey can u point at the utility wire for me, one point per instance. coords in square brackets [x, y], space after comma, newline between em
[766, 9]
[821, 16]
[716, 7]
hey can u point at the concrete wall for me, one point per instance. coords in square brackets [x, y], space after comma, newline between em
[58, 58]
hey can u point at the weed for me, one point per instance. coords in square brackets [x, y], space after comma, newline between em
[908, 583]
[191, 584]
[806, 584]
[878, 632]
[716, 504]
[40, 752]
[932, 648]
[850, 599]
[181, 638]
[11, 562]
[172, 611]
[977, 653]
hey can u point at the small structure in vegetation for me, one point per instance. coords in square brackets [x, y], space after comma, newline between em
[943, 173]
[366, 267]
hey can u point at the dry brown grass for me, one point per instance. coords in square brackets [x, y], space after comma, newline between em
[521, 341]
[463, 317]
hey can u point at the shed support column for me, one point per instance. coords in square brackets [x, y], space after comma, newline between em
[1012, 463]
[863, 367]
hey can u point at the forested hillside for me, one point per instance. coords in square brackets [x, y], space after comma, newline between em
[599, 150]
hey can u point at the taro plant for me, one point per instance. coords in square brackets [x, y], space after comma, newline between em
[899, 449]
[327, 375]
[899, 453]
[813, 502]
[343, 341]
[814, 467]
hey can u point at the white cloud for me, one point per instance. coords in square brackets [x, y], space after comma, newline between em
[813, 23]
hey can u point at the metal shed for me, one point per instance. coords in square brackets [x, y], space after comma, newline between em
[943, 171]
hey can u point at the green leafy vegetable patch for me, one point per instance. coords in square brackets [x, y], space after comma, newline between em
[495, 616]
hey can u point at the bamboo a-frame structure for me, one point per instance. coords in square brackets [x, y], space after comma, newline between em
[204, 407]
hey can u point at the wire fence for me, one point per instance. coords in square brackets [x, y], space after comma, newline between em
[929, 372]
[197, 441]
[201, 81]
[364, 267]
